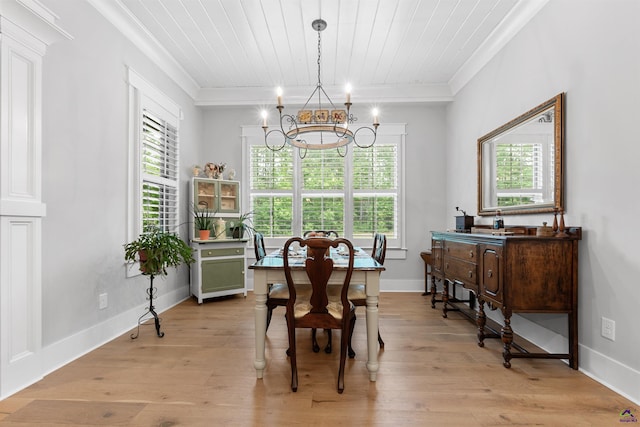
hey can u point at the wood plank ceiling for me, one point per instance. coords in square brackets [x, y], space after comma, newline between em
[388, 50]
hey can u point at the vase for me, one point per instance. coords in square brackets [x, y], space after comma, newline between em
[221, 229]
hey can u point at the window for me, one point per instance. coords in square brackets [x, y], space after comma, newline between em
[356, 195]
[154, 197]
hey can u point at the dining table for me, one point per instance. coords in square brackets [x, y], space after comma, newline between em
[270, 270]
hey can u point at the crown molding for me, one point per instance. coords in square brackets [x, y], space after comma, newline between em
[372, 95]
[116, 13]
[517, 18]
[22, 17]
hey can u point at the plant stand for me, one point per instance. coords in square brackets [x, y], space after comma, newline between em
[150, 310]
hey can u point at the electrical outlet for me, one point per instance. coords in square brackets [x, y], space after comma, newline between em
[609, 329]
[102, 301]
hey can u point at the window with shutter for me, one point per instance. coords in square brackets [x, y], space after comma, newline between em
[159, 164]
[154, 196]
[356, 195]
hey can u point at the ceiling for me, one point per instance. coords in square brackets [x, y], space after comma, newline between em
[235, 52]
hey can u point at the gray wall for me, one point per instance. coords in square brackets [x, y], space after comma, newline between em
[588, 49]
[85, 149]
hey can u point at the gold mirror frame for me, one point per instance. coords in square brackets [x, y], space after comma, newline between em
[543, 198]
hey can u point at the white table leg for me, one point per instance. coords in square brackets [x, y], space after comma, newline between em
[373, 290]
[260, 291]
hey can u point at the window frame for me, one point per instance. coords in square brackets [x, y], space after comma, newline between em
[389, 133]
[144, 96]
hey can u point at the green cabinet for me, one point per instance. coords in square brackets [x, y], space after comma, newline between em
[219, 268]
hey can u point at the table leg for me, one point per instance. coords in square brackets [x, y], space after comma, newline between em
[260, 291]
[372, 336]
[372, 285]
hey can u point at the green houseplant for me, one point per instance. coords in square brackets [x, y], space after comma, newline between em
[242, 224]
[202, 222]
[156, 250]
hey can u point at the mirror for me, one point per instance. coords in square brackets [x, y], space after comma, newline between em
[520, 164]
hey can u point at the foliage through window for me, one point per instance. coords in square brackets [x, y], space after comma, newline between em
[356, 195]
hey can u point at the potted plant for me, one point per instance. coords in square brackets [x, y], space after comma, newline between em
[242, 224]
[156, 250]
[202, 222]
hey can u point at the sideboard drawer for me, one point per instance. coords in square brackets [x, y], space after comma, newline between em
[210, 253]
[465, 251]
[462, 271]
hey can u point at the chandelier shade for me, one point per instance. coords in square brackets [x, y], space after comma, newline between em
[319, 124]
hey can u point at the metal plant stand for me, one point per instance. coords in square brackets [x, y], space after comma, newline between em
[151, 291]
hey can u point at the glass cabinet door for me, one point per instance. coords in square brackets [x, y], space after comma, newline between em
[229, 200]
[205, 193]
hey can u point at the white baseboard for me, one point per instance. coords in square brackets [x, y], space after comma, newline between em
[65, 351]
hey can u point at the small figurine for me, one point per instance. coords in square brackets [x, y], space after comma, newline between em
[231, 175]
[211, 170]
[196, 170]
[220, 167]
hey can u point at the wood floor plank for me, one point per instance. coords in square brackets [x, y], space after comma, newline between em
[201, 374]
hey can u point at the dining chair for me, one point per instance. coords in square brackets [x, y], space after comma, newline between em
[319, 310]
[321, 233]
[278, 293]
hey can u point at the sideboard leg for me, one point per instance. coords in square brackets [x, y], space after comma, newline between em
[445, 297]
[507, 339]
[481, 321]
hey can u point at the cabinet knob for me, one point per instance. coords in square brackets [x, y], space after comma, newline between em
[470, 254]
[470, 274]
[446, 265]
[490, 273]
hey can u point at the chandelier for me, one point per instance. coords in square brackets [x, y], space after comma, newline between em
[319, 124]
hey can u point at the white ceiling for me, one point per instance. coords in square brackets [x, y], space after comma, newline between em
[233, 52]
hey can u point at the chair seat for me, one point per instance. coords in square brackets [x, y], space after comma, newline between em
[302, 307]
[355, 292]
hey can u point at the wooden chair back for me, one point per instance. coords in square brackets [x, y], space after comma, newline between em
[319, 311]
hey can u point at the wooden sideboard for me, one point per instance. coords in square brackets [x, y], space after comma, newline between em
[519, 272]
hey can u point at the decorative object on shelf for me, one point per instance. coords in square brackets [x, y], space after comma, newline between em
[555, 220]
[156, 250]
[561, 228]
[221, 167]
[545, 231]
[196, 170]
[498, 221]
[231, 175]
[202, 220]
[464, 222]
[241, 225]
[311, 126]
[221, 229]
[211, 170]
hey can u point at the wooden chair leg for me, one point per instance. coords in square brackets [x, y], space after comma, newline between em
[269, 314]
[329, 345]
[344, 344]
[291, 352]
[351, 353]
[314, 341]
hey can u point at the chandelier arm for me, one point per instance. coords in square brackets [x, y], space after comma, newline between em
[373, 131]
[346, 150]
[302, 156]
[293, 124]
[273, 147]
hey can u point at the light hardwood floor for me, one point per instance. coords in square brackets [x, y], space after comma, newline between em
[201, 374]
